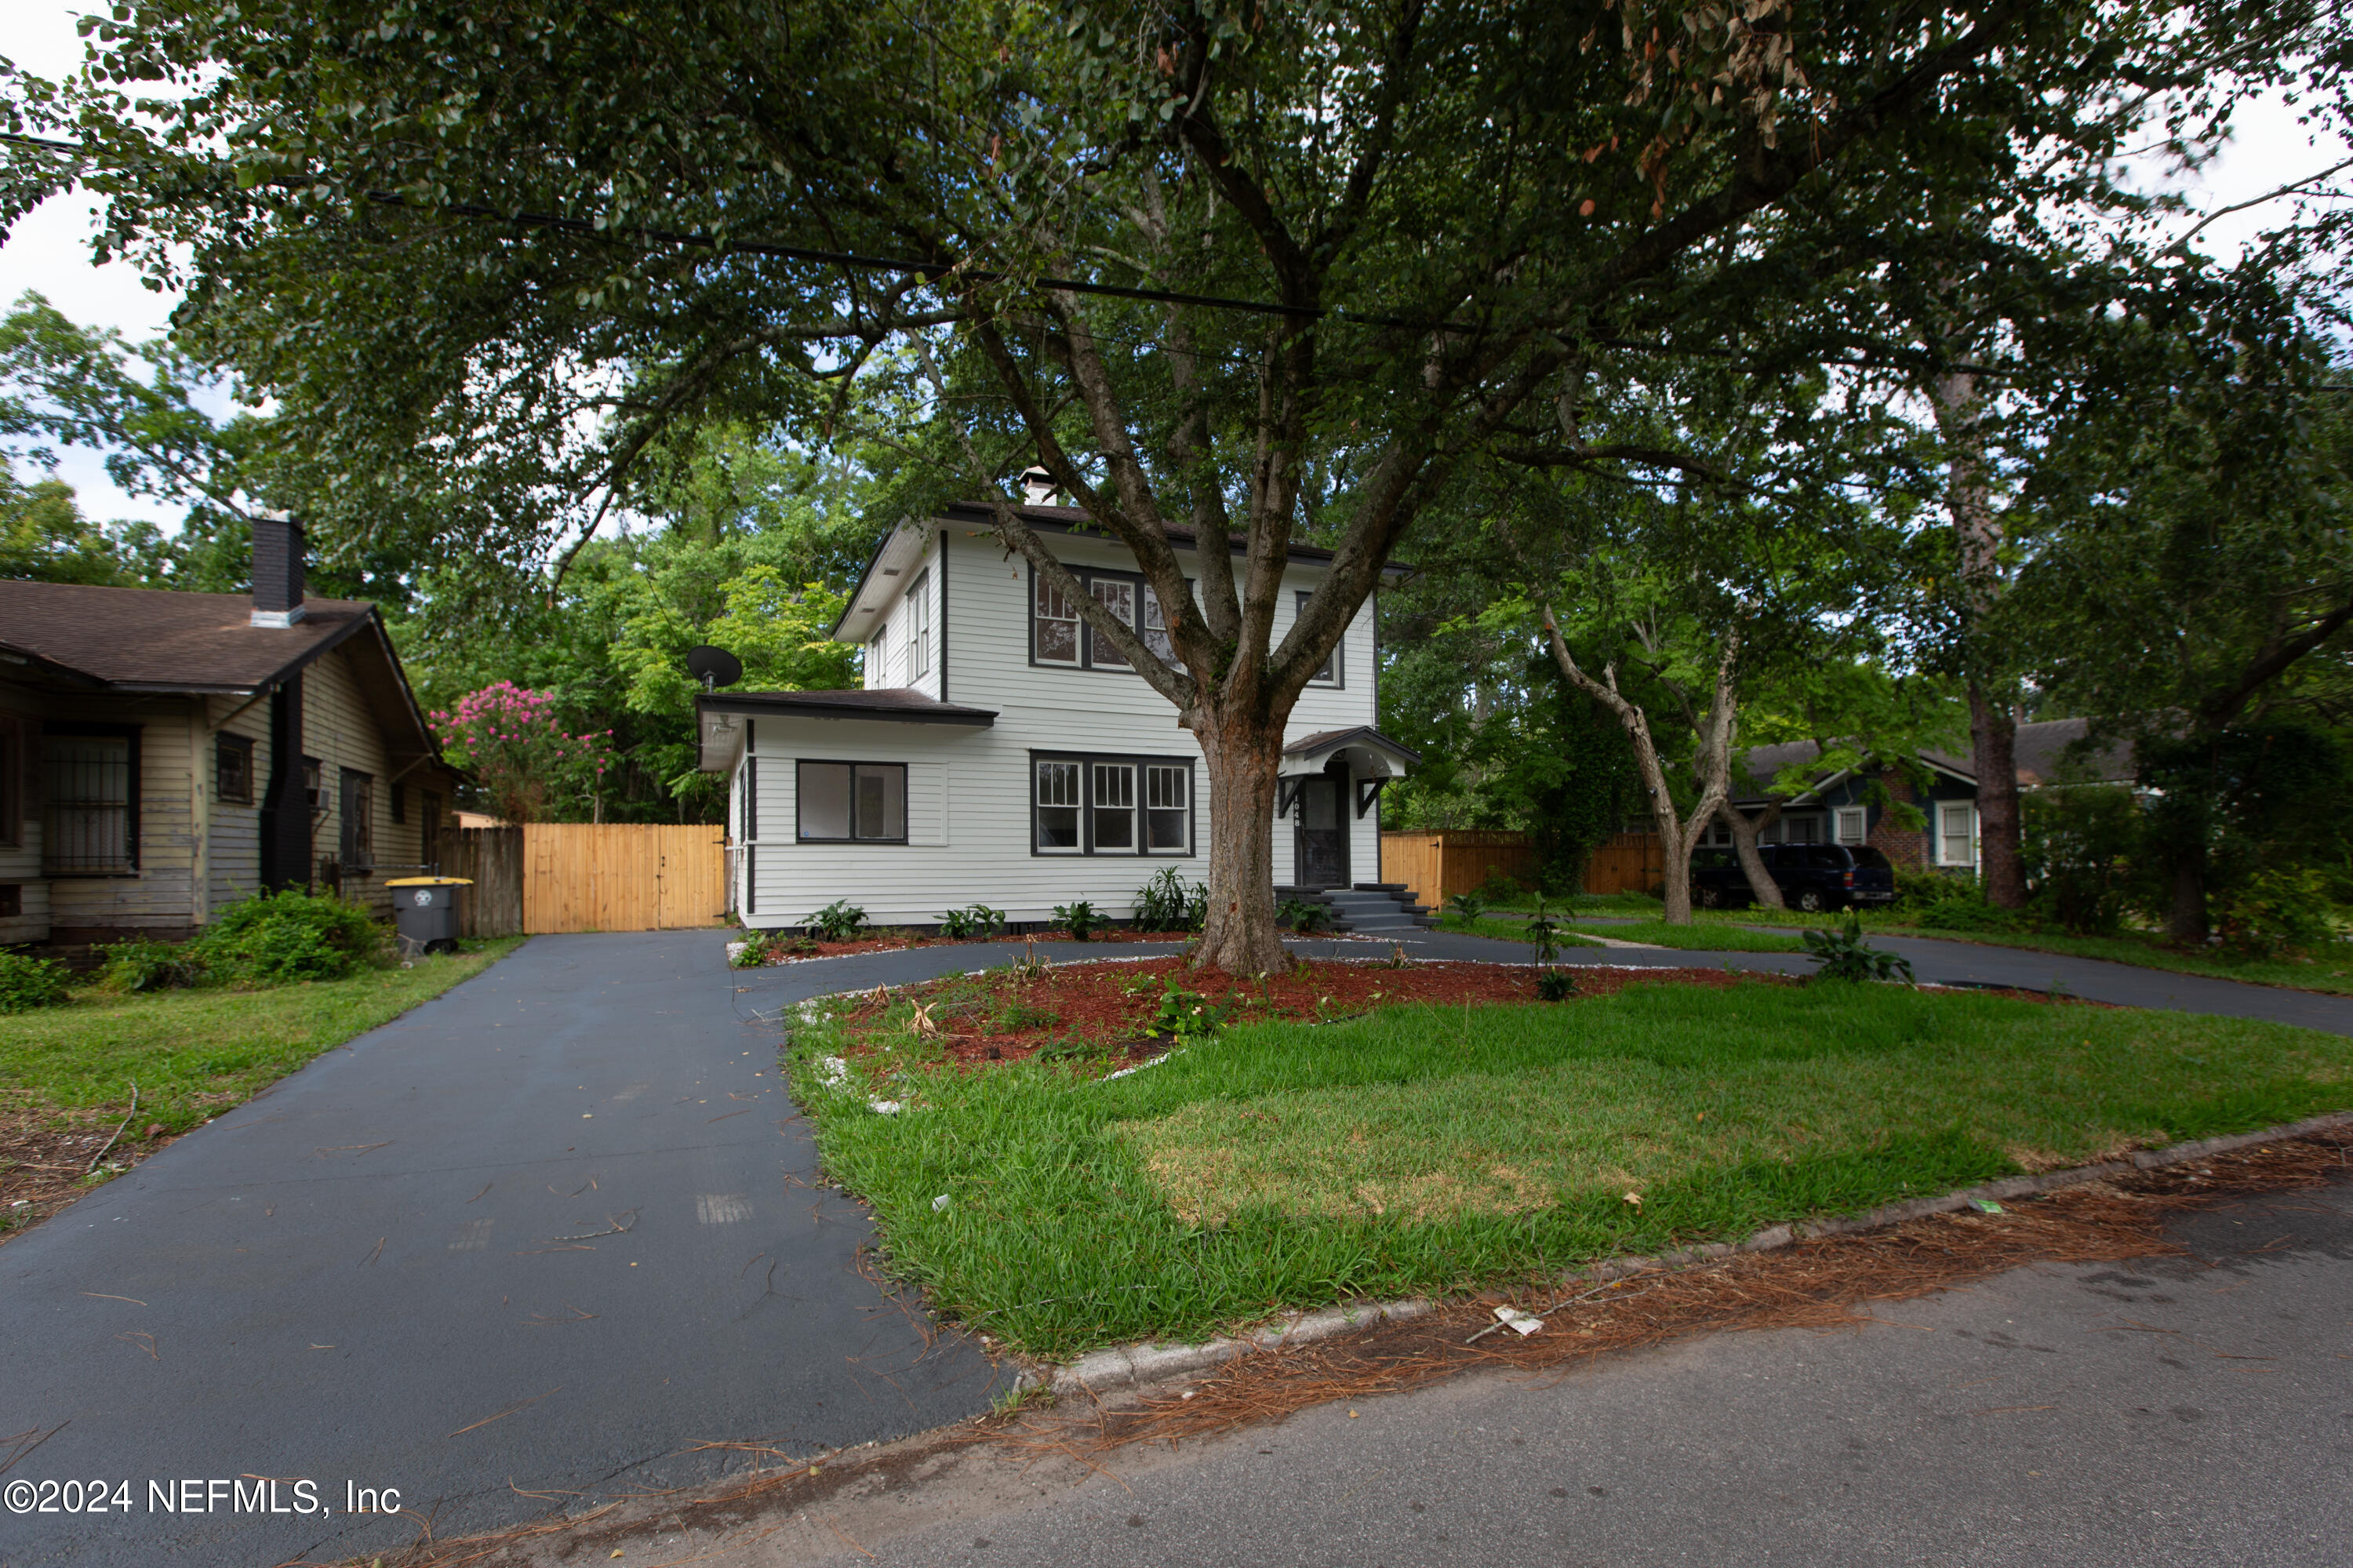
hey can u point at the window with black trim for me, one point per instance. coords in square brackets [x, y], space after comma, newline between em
[89, 800]
[1086, 804]
[1057, 635]
[1329, 675]
[852, 803]
[233, 769]
[358, 802]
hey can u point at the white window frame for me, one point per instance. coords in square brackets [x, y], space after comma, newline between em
[1945, 811]
[1065, 793]
[877, 659]
[1852, 826]
[919, 649]
[1331, 670]
[1168, 788]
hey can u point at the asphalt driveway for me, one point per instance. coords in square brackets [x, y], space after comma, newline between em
[535, 1238]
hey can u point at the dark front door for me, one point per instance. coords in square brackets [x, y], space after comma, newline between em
[1323, 833]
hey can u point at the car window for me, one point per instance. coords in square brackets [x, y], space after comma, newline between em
[1826, 857]
[1870, 857]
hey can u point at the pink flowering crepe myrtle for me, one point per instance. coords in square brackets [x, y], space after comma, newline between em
[528, 764]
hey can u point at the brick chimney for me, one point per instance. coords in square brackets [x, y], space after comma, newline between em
[277, 571]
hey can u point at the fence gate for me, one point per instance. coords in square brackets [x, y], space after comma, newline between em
[622, 876]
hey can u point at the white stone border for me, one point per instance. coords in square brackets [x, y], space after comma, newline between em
[1145, 1361]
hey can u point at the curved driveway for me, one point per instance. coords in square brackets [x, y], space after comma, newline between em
[536, 1240]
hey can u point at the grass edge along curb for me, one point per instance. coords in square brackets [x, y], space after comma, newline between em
[1147, 1362]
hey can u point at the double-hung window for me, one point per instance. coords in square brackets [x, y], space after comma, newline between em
[1329, 675]
[919, 647]
[89, 800]
[1111, 805]
[852, 803]
[1059, 636]
[1956, 838]
[878, 660]
[233, 769]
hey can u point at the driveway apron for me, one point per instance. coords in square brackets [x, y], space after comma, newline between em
[536, 1238]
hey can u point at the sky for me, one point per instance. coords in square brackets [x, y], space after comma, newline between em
[49, 252]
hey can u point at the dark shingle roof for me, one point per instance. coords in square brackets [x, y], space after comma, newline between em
[2042, 752]
[895, 705]
[155, 639]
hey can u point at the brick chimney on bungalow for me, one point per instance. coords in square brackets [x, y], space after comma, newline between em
[278, 548]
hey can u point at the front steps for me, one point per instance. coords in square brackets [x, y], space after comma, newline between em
[1367, 909]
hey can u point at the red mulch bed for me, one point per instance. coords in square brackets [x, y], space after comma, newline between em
[1092, 1006]
[898, 940]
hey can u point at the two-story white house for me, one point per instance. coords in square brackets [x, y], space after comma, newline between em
[1001, 754]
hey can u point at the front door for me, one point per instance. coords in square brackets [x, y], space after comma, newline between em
[1322, 842]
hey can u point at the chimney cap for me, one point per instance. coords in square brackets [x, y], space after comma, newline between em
[1037, 487]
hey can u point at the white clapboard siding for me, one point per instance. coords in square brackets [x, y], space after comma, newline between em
[969, 789]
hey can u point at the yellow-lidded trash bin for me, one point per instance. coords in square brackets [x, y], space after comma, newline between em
[425, 910]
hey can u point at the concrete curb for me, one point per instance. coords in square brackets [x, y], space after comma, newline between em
[1147, 1361]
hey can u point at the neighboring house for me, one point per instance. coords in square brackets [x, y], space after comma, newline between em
[1848, 807]
[998, 754]
[163, 753]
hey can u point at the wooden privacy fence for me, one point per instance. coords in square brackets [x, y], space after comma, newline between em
[621, 876]
[492, 858]
[1439, 865]
[588, 877]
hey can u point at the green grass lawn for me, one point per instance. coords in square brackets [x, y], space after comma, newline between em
[1438, 1149]
[195, 1053]
[2328, 968]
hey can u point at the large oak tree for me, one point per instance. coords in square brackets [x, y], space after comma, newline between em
[1243, 272]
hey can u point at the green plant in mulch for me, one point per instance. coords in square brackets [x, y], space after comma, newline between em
[1466, 907]
[1304, 915]
[1844, 954]
[1168, 903]
[838, 921]
[27, 982]
[972, 920]
[1186, 1015]
[1081, 919]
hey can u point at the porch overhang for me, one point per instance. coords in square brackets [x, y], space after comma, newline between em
[719, 716]
[1369, 753]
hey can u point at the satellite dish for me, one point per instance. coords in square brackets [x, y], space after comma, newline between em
[713, 667]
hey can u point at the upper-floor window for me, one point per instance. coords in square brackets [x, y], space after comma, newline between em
[919, 647]
[1058, 636]
[1329, 675]
[877, 659]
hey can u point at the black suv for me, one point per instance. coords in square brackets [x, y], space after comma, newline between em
[1812, 877]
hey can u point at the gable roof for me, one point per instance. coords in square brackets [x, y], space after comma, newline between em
[160, 642]
[2040, 752]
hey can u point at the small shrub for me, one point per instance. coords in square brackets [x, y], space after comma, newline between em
[149, 966]
[27, 982]
[1082, 919]
[279, 939]
[1843, 955]
[1185, 1014]
[1545, 932]
[1168, 904]
[1466, 907]
[972, 920]
[1500, 887]
[838, 921]
[1018, 1015]
[2277, 910]
[1304, 915]
[1966, 915]
[1556, 985]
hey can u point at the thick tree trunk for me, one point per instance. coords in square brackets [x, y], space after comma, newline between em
[1993, 736]
[2186, 919]
[1242, 758]
[1745, 829]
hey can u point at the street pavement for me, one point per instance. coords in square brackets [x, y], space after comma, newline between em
[2192, 1412]
[537, 1241]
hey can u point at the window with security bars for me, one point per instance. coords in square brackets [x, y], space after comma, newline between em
[358, 802]
[90, 813]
